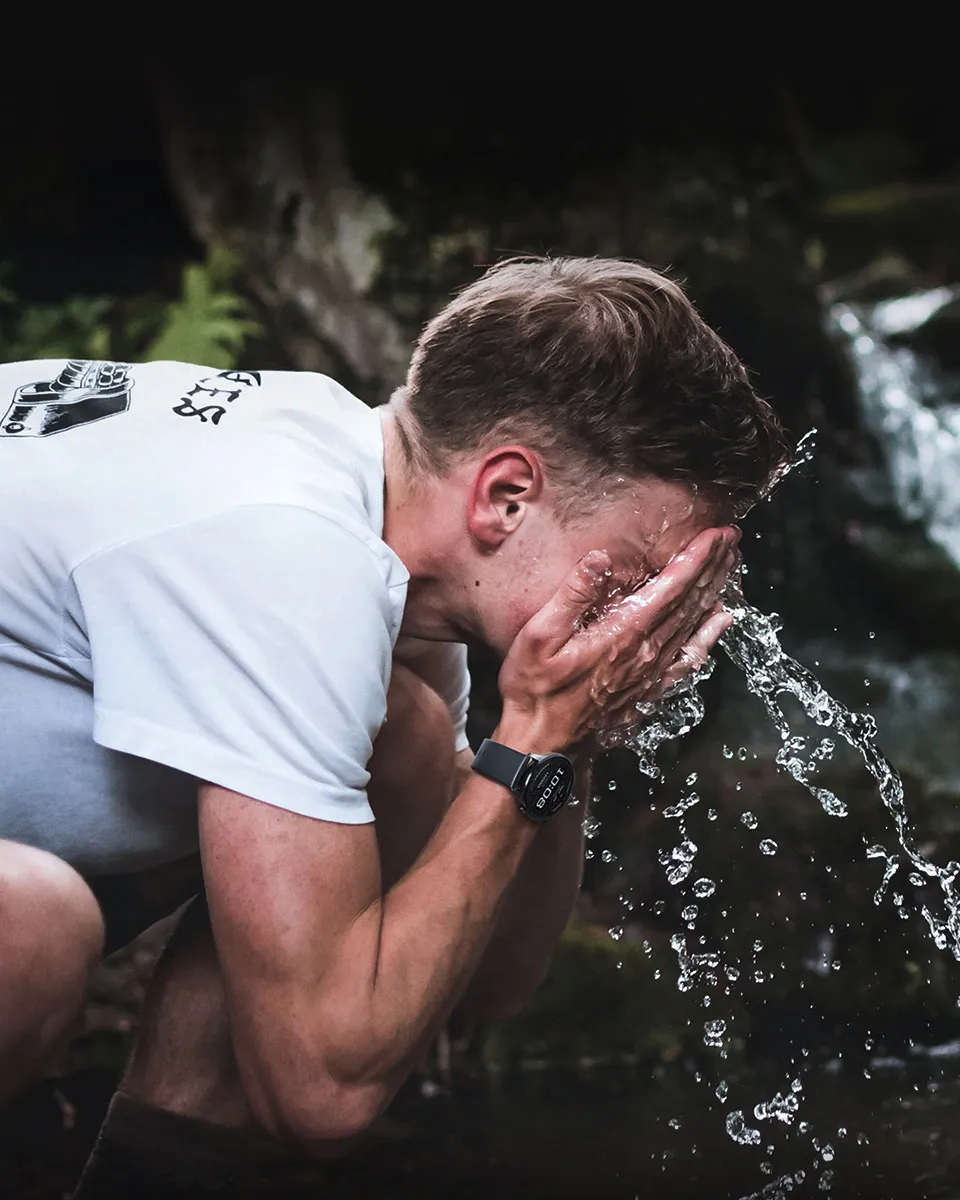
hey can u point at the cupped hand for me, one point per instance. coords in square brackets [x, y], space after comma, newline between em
[582, 664]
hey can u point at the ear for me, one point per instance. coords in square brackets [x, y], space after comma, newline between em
[507, 482]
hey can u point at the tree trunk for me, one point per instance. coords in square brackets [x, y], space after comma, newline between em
[260, 167]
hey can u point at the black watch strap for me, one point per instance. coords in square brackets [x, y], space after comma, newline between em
[501, 764]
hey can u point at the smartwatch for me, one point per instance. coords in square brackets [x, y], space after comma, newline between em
[541, 783]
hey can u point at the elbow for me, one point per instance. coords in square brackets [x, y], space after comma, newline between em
[312, 1119]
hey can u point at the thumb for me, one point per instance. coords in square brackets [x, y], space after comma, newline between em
[583, 588]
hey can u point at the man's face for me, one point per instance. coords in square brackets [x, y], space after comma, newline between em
[642, 528]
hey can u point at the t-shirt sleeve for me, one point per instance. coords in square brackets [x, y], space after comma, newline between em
[443, 665]
[251, 650]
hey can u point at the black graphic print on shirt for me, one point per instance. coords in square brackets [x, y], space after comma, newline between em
[83, 392]
[208, 397]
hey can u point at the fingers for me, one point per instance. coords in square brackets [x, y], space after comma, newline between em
[583, 589]
[674, 591]
[694, 653]
[687, 618]
[652, 650]
[688, 658]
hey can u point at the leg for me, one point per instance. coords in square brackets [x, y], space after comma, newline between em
[51, 936]
[182, 1066]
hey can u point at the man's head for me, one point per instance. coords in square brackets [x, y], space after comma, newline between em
[561, 405]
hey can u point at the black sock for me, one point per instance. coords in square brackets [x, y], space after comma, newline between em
[148, 1153]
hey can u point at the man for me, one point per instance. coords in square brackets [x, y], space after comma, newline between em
[233, 608]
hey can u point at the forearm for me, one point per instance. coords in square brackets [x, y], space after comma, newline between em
[535, 911]
[435, 925]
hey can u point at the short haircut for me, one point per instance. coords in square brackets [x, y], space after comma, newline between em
[604, 367]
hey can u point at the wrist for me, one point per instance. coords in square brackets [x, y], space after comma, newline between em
[528, 734]
[541, 781]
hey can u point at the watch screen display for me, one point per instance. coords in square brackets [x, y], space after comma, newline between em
[549, 786]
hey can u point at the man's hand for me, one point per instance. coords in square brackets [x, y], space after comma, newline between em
[578, 669]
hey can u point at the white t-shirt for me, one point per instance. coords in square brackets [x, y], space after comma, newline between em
[193, 585]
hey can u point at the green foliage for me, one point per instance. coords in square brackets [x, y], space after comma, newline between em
[208, 323]
[75, 329]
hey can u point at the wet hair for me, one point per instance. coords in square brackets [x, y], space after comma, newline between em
[601, 365]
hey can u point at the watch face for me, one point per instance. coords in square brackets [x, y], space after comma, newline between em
[548, 787]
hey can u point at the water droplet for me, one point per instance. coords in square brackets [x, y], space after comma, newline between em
[722, 1090]
[757, 946]
[758, 977]
[742, 753]
[588, 853]
[691, 779]
[689, 913]
[739, 1130]
[703, 888]
[727, 752]
[732, 973]
[872, 635]
[608, 856]
[712, 814]
[827, 1153]
[780, 1108]
[611, 785]
[674, 1123]
[803, 1127]
[768, 846]
[835, 965]
[749, 820]
[676, 810]
[616, 932]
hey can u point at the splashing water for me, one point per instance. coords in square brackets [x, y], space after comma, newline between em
[752, 644]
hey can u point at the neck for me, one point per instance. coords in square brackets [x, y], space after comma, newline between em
[417, 528]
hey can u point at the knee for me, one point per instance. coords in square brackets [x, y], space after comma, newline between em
[47, 912]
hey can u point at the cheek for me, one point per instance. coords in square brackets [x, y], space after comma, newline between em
[529, 594]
